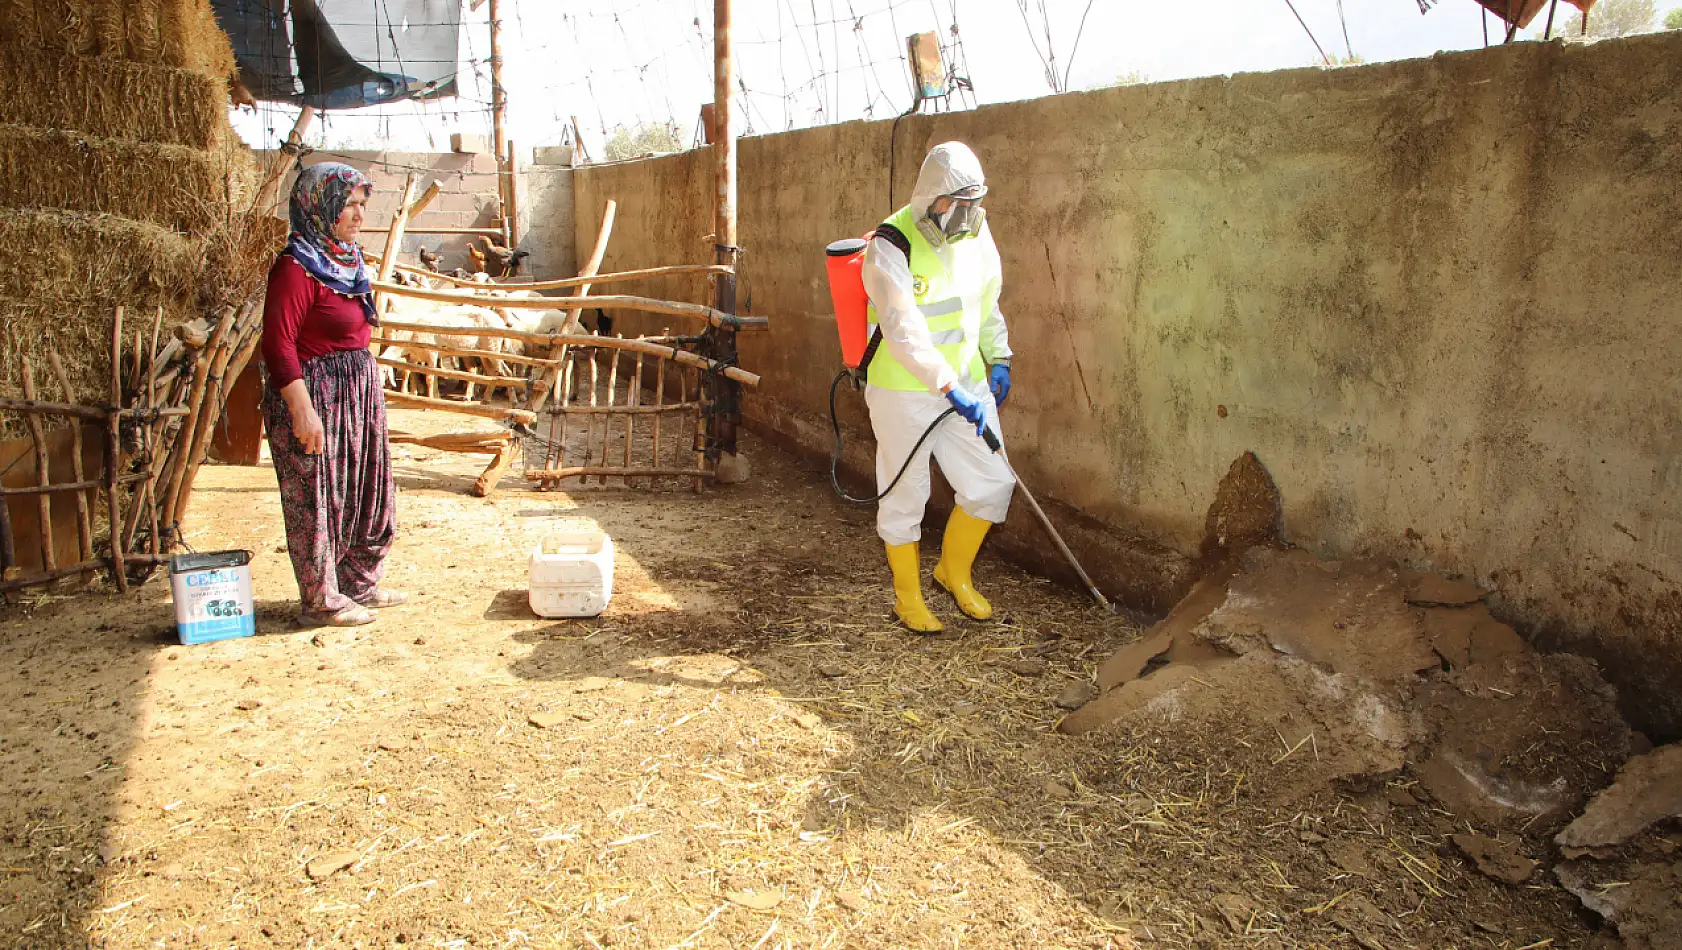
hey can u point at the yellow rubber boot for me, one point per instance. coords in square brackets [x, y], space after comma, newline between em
[908, 590]
[964, 534]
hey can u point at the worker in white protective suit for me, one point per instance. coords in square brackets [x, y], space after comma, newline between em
[932, 275]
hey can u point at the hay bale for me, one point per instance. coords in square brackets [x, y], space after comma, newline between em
[168, 185]
[73, 254]
[111, 98]
[180, 33]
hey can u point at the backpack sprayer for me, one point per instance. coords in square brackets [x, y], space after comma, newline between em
[844, 261]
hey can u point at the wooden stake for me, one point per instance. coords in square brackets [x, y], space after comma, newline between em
[634, 399]
[511, 207]
[394, 240]
[591, 265]
[152, 358]
[499, 111]
[659, 402]
[612, 395]
[149, 488]
[84, 522]
[8, 546]
[269, 195]
[432, 191]
[114, 454]
[700, 436]
[178, 456]
[43, 502]
[573, 379]
[590, 428]
[209, 413]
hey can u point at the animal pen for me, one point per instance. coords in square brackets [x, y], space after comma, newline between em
[571, 369]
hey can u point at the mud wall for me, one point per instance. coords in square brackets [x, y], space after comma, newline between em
[1436, 298]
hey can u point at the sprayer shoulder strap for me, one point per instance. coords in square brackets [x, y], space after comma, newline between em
[893, 235]
[870, 351]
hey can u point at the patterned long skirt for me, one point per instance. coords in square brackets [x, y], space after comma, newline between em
[340, 507]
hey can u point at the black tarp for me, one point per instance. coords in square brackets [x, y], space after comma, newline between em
[343, 54]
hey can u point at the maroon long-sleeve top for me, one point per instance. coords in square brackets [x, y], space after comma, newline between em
[302, 319]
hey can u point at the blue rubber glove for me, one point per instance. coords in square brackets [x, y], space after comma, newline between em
[998, 380]
[968, 406]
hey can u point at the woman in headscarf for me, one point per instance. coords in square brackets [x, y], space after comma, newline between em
[324, 407]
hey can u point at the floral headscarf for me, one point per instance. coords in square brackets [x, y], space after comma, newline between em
[319, 196]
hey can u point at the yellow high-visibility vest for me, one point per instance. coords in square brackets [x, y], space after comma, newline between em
[950, 301]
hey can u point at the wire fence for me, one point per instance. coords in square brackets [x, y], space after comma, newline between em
[634, 75]
[606, 69]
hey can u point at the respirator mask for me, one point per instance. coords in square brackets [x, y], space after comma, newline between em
[964, 217]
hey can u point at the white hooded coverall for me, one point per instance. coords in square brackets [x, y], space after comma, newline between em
[980, 479]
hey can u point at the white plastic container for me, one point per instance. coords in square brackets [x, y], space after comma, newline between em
[212, 594]
[572, 574]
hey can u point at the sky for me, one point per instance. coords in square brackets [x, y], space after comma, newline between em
[622, 63]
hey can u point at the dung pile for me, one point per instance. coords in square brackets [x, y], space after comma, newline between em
[1623, 856]
[1306, 676]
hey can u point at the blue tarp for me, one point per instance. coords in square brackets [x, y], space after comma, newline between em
[343, 54]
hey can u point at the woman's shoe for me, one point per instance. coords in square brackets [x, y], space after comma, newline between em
[382, 598]
[355, 615]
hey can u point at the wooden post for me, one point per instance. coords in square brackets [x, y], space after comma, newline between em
[659, 400]
[612, 388]
[84, 522]
[499, 126]
[432, 191]
[43, 502]
[591, 267]
[394, 239]
[8, 547]
[269, 198]
[590, 427]
[719, 343]
[149, 435]
[178, 455]
[634, 398]
[511, 207]
[114, 454]
[579, 151]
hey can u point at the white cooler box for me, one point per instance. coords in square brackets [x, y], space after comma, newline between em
[572, 574]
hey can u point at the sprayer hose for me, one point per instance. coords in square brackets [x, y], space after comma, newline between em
[835, 456]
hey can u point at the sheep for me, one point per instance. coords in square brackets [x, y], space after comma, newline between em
[454, 316]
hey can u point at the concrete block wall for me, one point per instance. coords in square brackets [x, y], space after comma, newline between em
[1436, 298]
[467, 199]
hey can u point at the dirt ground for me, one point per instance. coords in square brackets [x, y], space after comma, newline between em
[742, 752]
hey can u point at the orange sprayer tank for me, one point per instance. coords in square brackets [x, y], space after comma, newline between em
[845, 262]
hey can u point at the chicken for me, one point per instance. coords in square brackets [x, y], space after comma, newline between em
[496, 260]
[429, 259]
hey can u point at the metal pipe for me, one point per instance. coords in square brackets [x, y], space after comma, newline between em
[997, 446]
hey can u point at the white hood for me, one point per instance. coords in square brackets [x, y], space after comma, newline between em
[951, 166]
